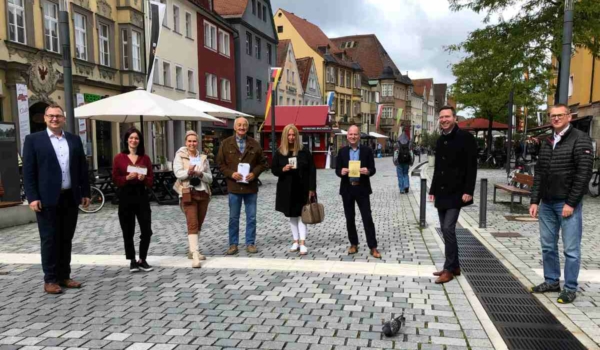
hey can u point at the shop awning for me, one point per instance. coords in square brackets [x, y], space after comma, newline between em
[474, 124]
[313, 119]
[377, 135]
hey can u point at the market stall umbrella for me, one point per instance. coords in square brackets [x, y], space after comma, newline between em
[377, 136]
[213, 109]
[139, 106]
[476, 124]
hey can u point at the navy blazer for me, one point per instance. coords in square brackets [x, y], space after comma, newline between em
[366, 161]
[42, 175]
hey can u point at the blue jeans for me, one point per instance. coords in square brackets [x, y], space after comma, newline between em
[235, 207]
[402, 173]
[551, 222]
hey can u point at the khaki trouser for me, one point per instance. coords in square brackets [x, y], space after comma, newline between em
[195, 211]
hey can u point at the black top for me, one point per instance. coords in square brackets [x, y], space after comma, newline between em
[563, 173]
[293, 185]
[455, 171]
[366, 161]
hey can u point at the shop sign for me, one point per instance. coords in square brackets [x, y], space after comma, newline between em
[317, 128]
[89, 98]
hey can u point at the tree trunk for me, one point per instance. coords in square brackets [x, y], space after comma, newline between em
[489, 135]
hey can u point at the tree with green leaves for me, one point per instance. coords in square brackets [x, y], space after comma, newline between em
[516, 54]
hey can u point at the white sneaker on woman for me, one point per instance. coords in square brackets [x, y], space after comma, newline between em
[303, 250]
[294, 247]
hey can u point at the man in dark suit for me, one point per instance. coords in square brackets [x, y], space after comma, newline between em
[357, 190]
[453, 184]
[56, 182]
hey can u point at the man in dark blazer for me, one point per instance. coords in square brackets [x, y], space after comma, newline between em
[357, 190]
[453, 184]
[56, 182]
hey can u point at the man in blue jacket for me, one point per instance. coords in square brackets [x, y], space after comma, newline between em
[56, 182]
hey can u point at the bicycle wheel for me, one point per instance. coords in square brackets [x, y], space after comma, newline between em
[96, 201]
[594, 184]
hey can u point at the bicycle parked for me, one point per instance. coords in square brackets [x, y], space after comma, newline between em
[96, 197]
[593, 187]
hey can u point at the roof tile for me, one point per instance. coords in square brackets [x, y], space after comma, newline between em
[230, 8]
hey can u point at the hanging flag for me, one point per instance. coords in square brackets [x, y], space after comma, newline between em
[378, 119]
[157, 12]
[399, 116]
[330, 99]
[275, 75]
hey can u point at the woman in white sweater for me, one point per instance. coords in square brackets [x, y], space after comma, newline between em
[193, 185]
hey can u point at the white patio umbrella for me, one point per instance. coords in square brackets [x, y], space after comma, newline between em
[213, 109]
[377, 136]
[342, 132]
[139, 106]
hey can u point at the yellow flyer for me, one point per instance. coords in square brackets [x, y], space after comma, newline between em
[354, 168]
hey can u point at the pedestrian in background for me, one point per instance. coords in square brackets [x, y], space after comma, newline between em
[357, 189]
[403, 159]
[562, 174]
[132, 174]
[55, 177]
[297, 183]
[244, 150]
[193, 185]
[453, 184]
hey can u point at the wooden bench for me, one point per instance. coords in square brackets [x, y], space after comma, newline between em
[517, 189]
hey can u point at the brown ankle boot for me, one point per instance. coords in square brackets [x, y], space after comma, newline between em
[456, 272]
[446, 276]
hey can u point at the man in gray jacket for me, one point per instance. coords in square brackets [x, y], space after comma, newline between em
[562, 174]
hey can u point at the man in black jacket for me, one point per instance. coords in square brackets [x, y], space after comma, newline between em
[357, 189]
[453, 184]
[562, 174]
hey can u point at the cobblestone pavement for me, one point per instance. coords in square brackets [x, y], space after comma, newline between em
[525, 252]
[398, 235]
[190, 309]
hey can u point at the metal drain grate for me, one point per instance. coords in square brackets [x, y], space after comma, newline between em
[523, 322]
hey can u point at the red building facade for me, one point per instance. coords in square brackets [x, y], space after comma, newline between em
[216, 57]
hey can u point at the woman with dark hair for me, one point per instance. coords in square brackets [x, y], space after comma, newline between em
[132, 173]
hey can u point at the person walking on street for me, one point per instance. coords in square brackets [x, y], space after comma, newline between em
[357, 189]
[241, 153]
[453, 184]
[194, 177]
[55, 175]
[132, 174]
[562, 174]
[297, 183]
[403, 159]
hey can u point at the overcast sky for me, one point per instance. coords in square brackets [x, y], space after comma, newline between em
[413, 32]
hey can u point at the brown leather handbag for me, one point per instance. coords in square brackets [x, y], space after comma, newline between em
[313, 212]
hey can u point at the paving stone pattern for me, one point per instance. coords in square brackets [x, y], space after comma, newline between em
[397, 231]
[186, 309]
[525, 252]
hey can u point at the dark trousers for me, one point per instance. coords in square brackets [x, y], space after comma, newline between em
[57, 226]
[354, 195]
[129, 209]
[448, 219]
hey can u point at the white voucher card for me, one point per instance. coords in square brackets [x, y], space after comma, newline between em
[195, 161]
[136, 169]
[293, 161]
[244, 170]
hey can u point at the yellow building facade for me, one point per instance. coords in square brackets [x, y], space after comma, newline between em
[108, 58]
[336, 72]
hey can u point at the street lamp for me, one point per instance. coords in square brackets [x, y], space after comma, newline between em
[65, 41]
[565, 59]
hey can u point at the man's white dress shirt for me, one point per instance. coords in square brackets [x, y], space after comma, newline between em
[61, 148]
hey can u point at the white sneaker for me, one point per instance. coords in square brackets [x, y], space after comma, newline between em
[294, 247]
[303, 250]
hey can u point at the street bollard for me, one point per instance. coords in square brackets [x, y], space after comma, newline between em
[483, 204]
[423, 219]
